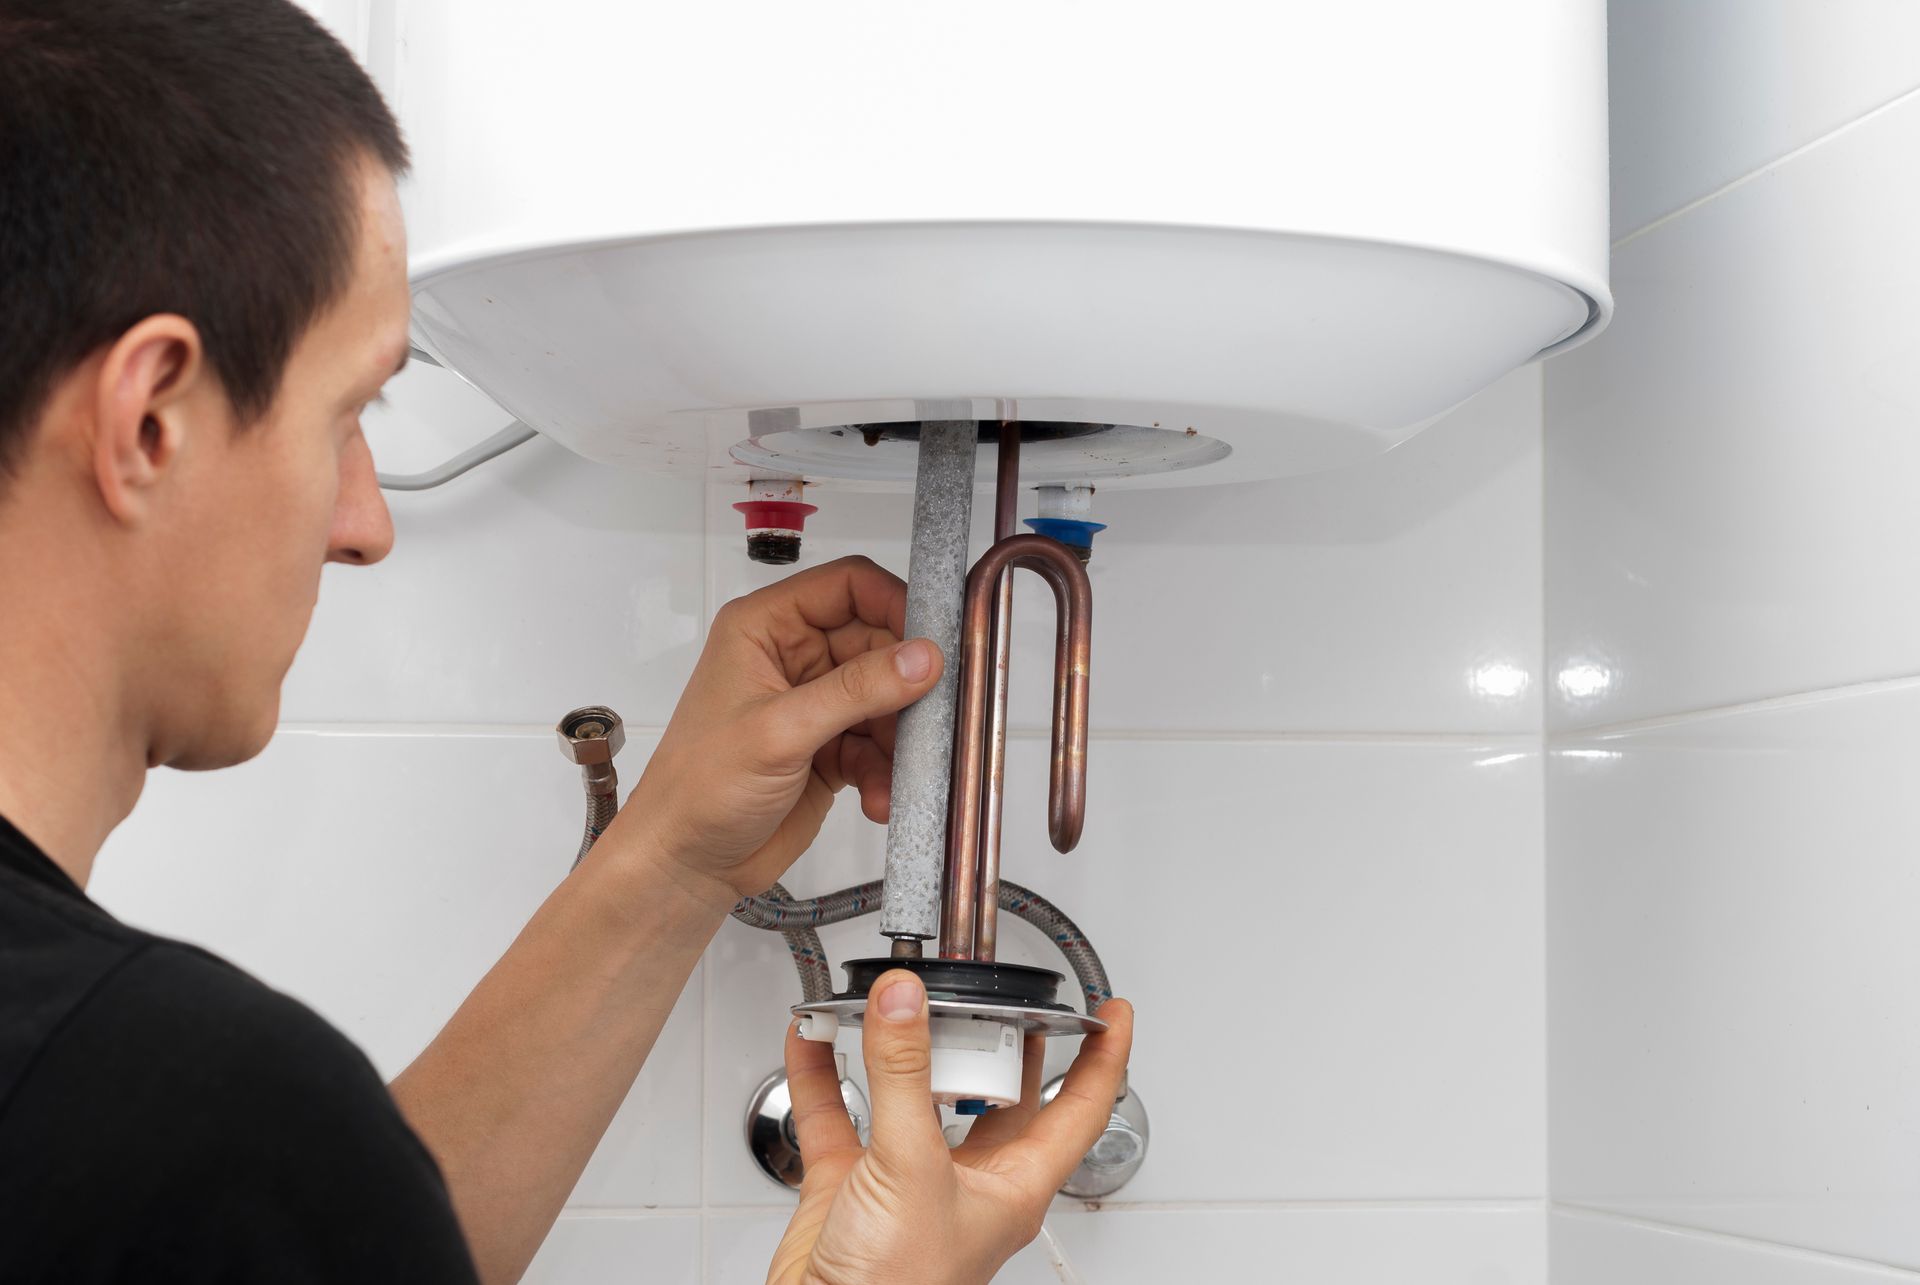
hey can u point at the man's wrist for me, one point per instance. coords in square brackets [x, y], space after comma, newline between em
[650, 877]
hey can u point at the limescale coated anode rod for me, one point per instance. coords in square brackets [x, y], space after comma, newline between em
[923, 744]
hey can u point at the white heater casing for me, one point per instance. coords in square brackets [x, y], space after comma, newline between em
[1265, 238]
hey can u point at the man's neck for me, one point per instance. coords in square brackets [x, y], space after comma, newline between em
[72, 760]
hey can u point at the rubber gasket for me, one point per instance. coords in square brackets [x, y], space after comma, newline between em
[963, 979]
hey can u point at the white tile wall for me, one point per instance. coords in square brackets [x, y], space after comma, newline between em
[1730, 651]
[1489, 1243]
[1367, 1025]
[739, 1245]
[1730, 475]
[1590, 1249]
[1704, 91]
[1735, 962]
[619, 1249]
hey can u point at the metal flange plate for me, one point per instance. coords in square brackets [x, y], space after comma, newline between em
[1049, 1022]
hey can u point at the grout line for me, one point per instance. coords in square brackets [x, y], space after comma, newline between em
[1763, 170]
[1541, 789]
[1546, 580]
[1480, 1204]
[1766, 705]
[1784, 1248]
[626, 1213]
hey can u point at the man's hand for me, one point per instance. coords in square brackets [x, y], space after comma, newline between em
[793, 698]
[907, 1208]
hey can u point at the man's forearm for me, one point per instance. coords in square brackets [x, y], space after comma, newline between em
[512, 1096]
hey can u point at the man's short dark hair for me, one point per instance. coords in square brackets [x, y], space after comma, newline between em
[188, 156]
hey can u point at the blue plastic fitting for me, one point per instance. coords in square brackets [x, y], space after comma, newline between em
[1068, 531]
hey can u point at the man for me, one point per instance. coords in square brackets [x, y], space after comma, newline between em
[202, 284]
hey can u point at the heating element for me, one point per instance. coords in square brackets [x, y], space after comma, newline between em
[949, 782]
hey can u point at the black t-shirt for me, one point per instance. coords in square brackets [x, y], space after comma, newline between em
[165, 1117]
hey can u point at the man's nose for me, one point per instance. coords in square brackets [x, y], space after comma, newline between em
[362, 529]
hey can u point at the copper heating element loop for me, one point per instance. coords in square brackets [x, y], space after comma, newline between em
[1006, 514]
[968, 927]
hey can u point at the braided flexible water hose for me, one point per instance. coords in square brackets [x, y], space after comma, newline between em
[803, 943]
[601, 809]
[780, 915]
[1066, 936]
[832, 908]
[809, 956]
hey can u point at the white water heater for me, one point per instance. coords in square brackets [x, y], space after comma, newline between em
[1182, 243]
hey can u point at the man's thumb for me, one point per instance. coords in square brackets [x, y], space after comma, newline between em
[895, 1043]
[871, 685]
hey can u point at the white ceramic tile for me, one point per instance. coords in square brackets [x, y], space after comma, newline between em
[1729, 467]
[605, 1250]
[1483, 1245]
[740, 1246]
[1585, 1249]
[378, 877]
[1336, 954]
[1707, 90]
[1447, 1245]
[1398, 595]
[1735, 973]
[536, 583]
[1335, 950]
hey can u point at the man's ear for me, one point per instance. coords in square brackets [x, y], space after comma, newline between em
[153, 379]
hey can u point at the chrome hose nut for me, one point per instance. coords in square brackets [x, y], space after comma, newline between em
[591, 735]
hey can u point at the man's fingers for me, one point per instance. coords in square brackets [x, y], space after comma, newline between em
[870, 771]
[1066, 1127]
[883, 731]
[800, 721]
[820, 1122]
[838, 593]
[857, 639]
[898, 1051]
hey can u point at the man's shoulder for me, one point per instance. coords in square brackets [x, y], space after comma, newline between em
[70, 973]
[170, 1028]
[169, 996]
[171, 990]
[57, 952]
[243, 1128]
